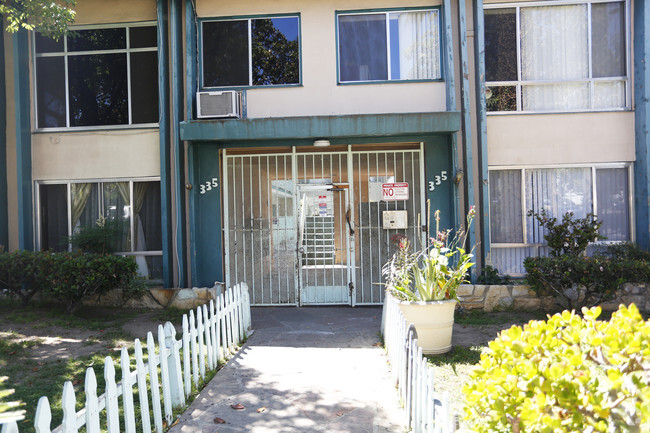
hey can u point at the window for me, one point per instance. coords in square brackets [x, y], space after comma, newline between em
[133, 205]
[251, 52]
[581, 190]
[97, 77]
[386, 46]
[571, 57]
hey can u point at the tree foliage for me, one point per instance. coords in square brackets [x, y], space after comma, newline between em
[50, 17]
[567, 374]
[275, 58]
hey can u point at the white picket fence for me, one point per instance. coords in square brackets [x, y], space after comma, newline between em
[210, 335]
[426, 411]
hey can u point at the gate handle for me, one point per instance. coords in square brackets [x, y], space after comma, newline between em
[347, 218]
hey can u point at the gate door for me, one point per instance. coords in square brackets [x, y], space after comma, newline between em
[324, 242]
[260, 228]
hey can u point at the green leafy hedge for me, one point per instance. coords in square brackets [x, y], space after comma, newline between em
[583, 281]
[570, 276]
[24, 273]
[66, 277]
[567, 374]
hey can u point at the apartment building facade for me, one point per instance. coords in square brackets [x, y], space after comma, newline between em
[286, 144]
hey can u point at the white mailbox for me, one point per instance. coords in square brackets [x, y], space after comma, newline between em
[395, 219]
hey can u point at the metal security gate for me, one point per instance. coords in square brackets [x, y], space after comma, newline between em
[306, 228]
[260, 226]
[373, 170]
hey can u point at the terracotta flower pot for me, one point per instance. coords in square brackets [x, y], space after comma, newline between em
[434, 323]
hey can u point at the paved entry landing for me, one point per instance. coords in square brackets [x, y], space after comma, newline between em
[311, 369]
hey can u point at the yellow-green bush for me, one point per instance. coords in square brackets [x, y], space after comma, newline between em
[566, 374]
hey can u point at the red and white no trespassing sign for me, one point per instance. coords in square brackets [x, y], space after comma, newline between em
[395, 191]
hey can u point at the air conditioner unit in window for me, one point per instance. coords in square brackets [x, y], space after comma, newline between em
[218, 104]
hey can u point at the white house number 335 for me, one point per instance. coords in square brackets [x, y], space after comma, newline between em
[437, 180]
[208, 185]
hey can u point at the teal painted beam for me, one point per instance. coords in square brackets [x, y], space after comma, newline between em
[468, 149]
[206, 243]
[164, 134]
[368, 125]
[481, 130]
[4, 196]
[178, 151]
[450, 77]
[642, 122]
[191, 73]
[23, 140]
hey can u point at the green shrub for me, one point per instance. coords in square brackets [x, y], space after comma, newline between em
[25, 273]
[577, 281]
[76, 276]
[567, 374]
[101, 238]
[572, 278]
[490, 275]
[569, 236]
[624, 251]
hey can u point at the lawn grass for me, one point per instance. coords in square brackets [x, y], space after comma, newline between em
[480, 317]
[32, 379]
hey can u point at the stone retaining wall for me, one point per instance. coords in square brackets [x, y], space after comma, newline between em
[472, 297]
[159, 298]
[521, 297]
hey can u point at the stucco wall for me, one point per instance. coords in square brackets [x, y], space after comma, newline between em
[114, 11]
[522, 139]
[96, 154]
[319, 93]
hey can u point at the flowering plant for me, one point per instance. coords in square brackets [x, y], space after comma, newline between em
[433, 273]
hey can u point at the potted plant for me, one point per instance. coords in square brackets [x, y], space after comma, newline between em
[425, 282]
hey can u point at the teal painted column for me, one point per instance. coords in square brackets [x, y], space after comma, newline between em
[448, 61]
[205, 215]
[177, 148]
[481, 135]
[23, 140]
[164, 134]
[642, 121]
[439, 178]
[4, 199]
[468, 150]
[191, 73]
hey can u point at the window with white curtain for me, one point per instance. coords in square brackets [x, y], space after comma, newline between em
[134, 206]
[602, 190]
[569, 57]
[385, 46]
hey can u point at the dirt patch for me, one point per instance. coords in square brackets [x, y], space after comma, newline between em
[476, 335]
[479, 328]
[54, 337]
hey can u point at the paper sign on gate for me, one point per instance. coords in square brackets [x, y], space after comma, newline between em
[395, 191]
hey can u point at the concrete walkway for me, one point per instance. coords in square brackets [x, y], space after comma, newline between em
[312, 369]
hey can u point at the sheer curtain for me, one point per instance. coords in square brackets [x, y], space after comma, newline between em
[506, 225]
[613, 209]
[80, 194]
[555, 47]
[419, 45]
[557, 191]
[117, 208]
